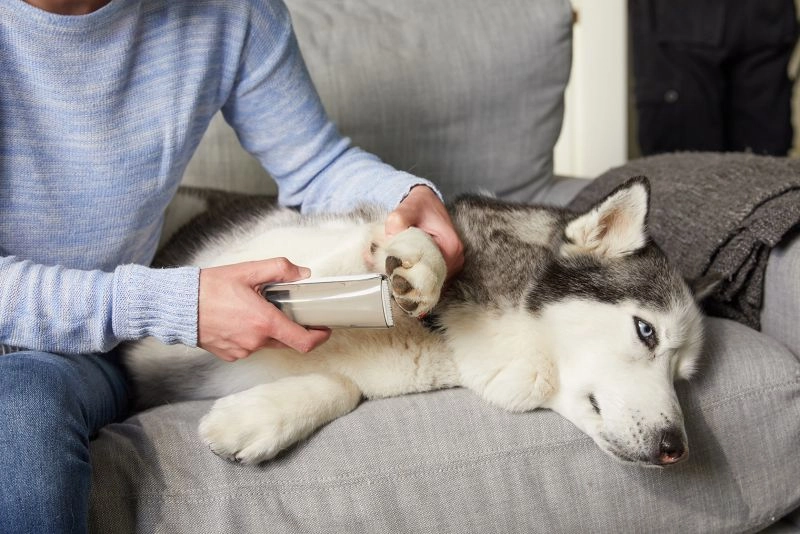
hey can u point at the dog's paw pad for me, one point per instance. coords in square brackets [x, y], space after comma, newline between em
[404, 294]
[407, 305]
[392, 263]
[417, 271]
[401, 286]
[418, 297]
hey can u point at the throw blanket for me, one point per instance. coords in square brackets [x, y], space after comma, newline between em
[715, 213]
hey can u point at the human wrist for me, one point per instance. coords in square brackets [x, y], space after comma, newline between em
[420, 184]
[161, 303]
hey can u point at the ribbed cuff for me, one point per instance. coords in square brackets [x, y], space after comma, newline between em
[405, 183]
[419, 181]
[161, 303]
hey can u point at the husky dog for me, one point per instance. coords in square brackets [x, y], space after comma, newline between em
[578, 313]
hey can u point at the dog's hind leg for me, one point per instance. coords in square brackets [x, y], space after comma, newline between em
[416, 268]
[256, 424]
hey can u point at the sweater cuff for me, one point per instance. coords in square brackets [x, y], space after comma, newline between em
[405, 184]
[161, 303]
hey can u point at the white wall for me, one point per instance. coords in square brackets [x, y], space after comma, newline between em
[594, 135]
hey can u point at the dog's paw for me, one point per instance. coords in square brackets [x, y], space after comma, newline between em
[256, 424]
[250, 427]
[542, 388]
[522, 385]
[417, 271]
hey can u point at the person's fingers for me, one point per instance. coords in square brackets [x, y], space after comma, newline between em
[292, 335]
[274, 344]
[281, 329]
[320, 336]
[234, 320]
[397, 221]
[273, 270]
[277, 332]
[453, 252]
[419, 204]
[425, 211]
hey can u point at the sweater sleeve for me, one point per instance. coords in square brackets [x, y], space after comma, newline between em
[56, 309]
[279, 118]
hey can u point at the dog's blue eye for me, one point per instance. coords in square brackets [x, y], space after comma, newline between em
[646, 332]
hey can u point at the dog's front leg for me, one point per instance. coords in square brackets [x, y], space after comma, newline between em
[517, 384]
[256, 424]
[415, 266]
[523, 384]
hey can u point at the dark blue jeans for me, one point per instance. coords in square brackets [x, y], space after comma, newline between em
[50, 406]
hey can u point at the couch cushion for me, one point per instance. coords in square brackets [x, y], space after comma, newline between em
[467, 93]
[781, 311]
[447, 462]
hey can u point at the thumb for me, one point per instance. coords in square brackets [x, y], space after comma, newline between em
[396, 222]
[272, 270]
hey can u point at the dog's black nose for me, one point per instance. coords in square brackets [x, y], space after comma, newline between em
[671, 448]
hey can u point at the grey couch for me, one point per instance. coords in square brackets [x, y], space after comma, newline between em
[468, 93]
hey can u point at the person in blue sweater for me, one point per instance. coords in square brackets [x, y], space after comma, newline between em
[102, 104]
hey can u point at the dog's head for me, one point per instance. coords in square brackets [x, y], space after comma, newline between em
[623, 325]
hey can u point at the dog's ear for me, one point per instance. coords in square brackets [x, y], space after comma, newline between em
[616, 226]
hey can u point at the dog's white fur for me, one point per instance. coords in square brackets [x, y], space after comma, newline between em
[574, 356]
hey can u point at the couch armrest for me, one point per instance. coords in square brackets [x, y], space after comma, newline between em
[780, 315]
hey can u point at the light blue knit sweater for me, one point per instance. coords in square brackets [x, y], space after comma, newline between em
[99, 115]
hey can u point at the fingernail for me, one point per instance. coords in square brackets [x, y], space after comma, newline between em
[305, 272]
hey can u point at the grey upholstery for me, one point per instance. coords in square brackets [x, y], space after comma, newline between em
[468, 93]
[780, 316]
[447, 462]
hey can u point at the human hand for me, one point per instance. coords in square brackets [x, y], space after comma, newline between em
[234, 320]
[423, 209]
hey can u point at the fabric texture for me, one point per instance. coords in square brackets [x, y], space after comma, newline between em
[465, 93]
[779, 316]
[50, 405]
[448, 462]
[715, 213]
[100, 115]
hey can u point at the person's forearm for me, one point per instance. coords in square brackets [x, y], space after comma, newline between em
[56, 309]
[279, 118]
[357, 177]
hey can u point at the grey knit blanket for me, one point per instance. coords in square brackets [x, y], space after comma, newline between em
[715, 213]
